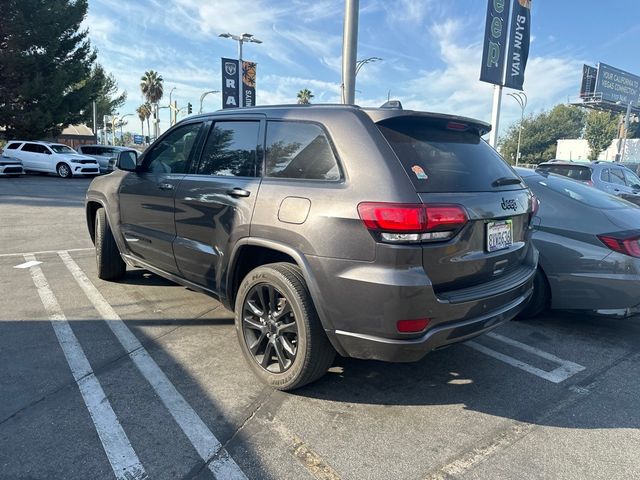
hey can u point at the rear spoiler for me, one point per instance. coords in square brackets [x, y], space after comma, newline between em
[388, 115]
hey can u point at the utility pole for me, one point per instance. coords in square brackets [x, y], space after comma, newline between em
[350, 51]
[626, 129]
[95, 121]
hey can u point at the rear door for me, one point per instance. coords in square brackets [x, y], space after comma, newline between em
[451, 166]
[147, 196]
[214, 203]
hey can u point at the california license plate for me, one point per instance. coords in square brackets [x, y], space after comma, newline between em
[499, 235]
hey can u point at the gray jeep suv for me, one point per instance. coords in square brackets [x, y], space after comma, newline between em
[375, 233]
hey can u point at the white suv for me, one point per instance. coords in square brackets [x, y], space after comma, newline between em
[51, 158]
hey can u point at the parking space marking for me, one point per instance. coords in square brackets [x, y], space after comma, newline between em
[42, 252]
[29, 264]
[206, 444]
[123, 459]
[565, 369]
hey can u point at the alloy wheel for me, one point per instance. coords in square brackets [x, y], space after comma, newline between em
[63, 170]
[269, 328]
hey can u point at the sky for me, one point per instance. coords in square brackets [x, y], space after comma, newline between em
[431, 50]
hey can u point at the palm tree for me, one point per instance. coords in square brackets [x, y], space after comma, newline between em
[152, 87]
[142, 115]
[305, 96]
[147, 115]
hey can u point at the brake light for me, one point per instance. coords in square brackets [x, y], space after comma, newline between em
[535, 205]
[412, 326]
[460, 127]
[399, 222]
[628, 246]
[589, 182]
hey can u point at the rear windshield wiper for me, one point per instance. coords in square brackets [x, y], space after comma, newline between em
[502, 181]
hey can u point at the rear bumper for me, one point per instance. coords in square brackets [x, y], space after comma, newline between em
[360, 303]
[397, 350]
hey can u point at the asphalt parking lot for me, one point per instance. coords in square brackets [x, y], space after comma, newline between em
[144, 379]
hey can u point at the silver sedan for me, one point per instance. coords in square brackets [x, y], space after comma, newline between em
[589, 243]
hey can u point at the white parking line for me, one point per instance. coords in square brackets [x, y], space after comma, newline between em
[565, 369]
[206, 444]
[42, 252]
[122, 457]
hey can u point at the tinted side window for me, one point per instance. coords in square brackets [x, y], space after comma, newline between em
[171, 155]
[34, 148]
[231, 150]
[299, 150]
[604, 176]
[617, 177]
[13, 146]
[87, 150]
[631, 178]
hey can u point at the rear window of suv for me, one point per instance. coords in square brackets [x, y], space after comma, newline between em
[575, 172]
[440, 158]
[13, 146]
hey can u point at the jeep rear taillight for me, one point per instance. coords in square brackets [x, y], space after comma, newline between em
[411, 223]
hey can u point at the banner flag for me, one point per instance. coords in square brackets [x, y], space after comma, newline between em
[249, 84]
[495, 41]
[230, 87]
[518, 44]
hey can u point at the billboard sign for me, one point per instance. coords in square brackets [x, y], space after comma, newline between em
[230, 86]
[248, 84]
[588, 86]
[519, 39]
[495, 42]
[616, 85]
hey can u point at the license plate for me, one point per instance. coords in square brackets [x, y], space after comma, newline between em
[499, 235]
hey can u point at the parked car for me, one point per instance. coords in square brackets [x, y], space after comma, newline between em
[375, 233]
[613, 178]
[49, 157]
[106, 155]
[589, 244]
[10, 166]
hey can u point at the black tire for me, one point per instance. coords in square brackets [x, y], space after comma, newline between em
[110, 263]
[540, 299]
[314, 354]
[63, 170]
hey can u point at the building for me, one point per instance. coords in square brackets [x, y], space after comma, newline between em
[75, 135]
[578, 149]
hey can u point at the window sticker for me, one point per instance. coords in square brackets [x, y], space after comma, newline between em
[419, 171]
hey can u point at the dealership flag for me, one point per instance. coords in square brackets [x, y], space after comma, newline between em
[518, 44]
[249, 84]
[495, 41]
[230, 87]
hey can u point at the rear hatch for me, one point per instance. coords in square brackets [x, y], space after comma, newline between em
[457, 174]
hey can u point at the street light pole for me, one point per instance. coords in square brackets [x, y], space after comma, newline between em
[245, 37]
[204, 95]
[350, 51]
[626, 129]
[171, 111]
[521, 98]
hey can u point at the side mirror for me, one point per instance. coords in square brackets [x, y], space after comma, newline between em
[128, 161]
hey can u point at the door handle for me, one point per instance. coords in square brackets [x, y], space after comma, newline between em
[238, 192]
[166, 186]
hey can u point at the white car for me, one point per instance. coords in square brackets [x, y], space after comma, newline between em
[10, 166]
[51, 158]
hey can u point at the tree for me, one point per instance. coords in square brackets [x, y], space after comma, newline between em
[152, 86]
[108, 101]
[47, 77]
[305, 96]
[600, 131]
[540, 134]
[143, 114]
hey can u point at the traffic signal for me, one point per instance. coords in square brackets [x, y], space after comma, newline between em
[189, 108]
